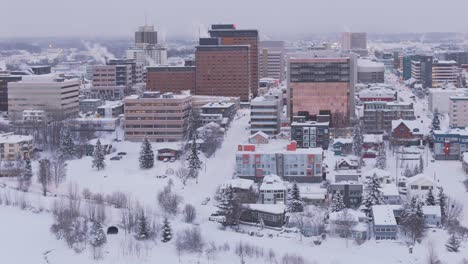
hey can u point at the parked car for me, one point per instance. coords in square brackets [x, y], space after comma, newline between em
[116, 158]
[172, 159]
[122, 153]
[161, 176]
[205, 201]
[166, 160]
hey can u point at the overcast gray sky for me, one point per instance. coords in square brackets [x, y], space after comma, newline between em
[272, 17]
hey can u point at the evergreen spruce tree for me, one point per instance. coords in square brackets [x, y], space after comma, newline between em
[453, 244]
[227, 205]
[27, 175]
[442, 202]
[294, 202]
[372, 195]
[357, 141]
[66, 144]
[337, 202]
[430, 199]
[381, 161]
[435, 122]
[194, 162]
[412, 219]
[421, 164]
[142, 231]
[97, 237]
[146, 155]
[193, 123]
[166, 231]
[98, 156]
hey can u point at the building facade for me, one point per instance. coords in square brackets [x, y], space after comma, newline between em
[53, 94]
[159, 117]
[14, 146]
[370, 71]
[310, 134]
[450, 144]
[378, 116]
[457, 111]
[170, 79]
[322, 82]
[265, 114]
[271, 60]
[5, 78]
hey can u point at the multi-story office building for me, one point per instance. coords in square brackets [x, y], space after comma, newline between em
[355, 41]
[290, 163]
[271, 60]
[90, 105]
[146, 35]
[137, 68]
[443, 73]
[378, 115]
[439, 99]
[321, 82]
[112, 76]
[421, 70]
[111, 109]
[159, 117]
[223, 70]
[265, 114]
[229, 35]
[458, 111]
[461, 57]
[170, 79]
[53, 94]
[310, 134]
[406, 66]
[370, 71]
[5, 78]
[377, 93]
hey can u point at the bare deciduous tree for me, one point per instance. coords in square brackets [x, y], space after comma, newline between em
[59, 170]
[168, 200]
[183, 174]
[190, 213]
[44, 176]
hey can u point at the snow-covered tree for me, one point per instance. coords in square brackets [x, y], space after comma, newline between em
[294, 202]
[97, 238]
[357, 141]
[381, 161]
[372, 195]
[228, 205]
[435, 122]
[142, 228]
[412, 219]
[146, 155]
[25, 180]
[98, 156]
[66, 144]
[193, 123]
[193, 160]
[421, 164]
[442, 202]
[453, 244]
[337, 202]
[430, 199]
[44, 176]
[166, 231]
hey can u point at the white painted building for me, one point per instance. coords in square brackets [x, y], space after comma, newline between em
[458, 111]
[440, 98]
[265, 114]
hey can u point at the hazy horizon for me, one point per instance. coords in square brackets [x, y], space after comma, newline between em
[274, 19]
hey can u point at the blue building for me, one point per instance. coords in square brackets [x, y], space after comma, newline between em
[450, 144]
[384, 222]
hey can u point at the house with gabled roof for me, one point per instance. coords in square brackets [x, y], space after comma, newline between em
[407, 132]
[259, 138]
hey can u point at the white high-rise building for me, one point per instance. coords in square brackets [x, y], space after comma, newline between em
[265, 114]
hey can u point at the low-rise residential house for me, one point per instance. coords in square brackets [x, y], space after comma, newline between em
[168, 153]
[310, 134]
[347, 176]
[342, 220]
[391, 194]
[432, 215]
[244, 189]
[450, 144]
[419, 186]
[313, 194]
[370, 145]
[342, 146]
[13, 147]
[406, 132]
[273, 190]
[347, 163]
[351, 192]
[290, 163]
[384, 222]
[273, 215]
[383, 175]
[259, 138]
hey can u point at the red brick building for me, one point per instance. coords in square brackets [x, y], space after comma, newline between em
[170, 79]
[229, 35]
[406, 132]
[223, 71]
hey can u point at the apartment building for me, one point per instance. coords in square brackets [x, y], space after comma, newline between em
[160, 117]
[170, 79]
[311, 134]
[56, 96]
[439, 99]
[265, 114]
[322, 81]
[378, 115]
[444, 72]
[136, 68]
[109, 78]
[290, 163]
[421, 69]
[14, 146]
[458, 111]
[355, 41]
[271, 60]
